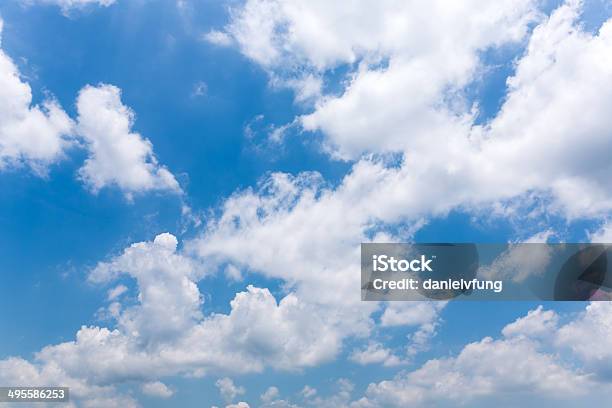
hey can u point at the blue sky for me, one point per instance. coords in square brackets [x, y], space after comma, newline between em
[208, 86]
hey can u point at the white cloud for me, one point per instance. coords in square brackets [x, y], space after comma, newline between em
[288, 334]
[410, 313]
[524, 368]
[232, 273]
[485, 159]
[271, 394]
[320, 259]
[543, 124]
[115, 292]
[229, 391]
[406, 62]
[157, 389]
[169, 299]
[308, 391]
[322, 35]
[589, 337]
[341, 397]
[603, 234]
[165, 333]
[375, 353]
[218, 38]
[240, 404]
[488, 368]
[18, 371]
[307, 87]
[39, 135]
[117, 155]
[419, 340]
[32, 135]
[470, 166]
[407, 95]
[519, 150]
[105, 356]
[423, 314]
[260, 332]
[537, 323]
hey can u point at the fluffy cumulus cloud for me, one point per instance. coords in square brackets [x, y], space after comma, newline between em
[157, 389]
[448, 161]
[537, 323]
[590, 338]
[405, 93]
[270, 395]
[534, 146]
[259, 331]
[169, 299]
[424, 315]
[117, 155]
[527, 367]
[426, 70]
[407, 314]
[319, 261]
[218, 38]
[544, 115]
[163, 331]
[39, 135]
[488, 368]
[401, 54]
[228, 390]
[30, 134]
[375, 353]
[240, 404]
[15, 370]
[323, 35]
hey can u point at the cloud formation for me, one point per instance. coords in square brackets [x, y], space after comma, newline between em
[306, 233]
[228, 390]
[488, 368]
[532, 148]
[525, 367]
[157, 389]
[38, 136]
[117, 155]
[30, 134]
[166, 333]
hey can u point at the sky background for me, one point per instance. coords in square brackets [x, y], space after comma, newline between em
[230, 104]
